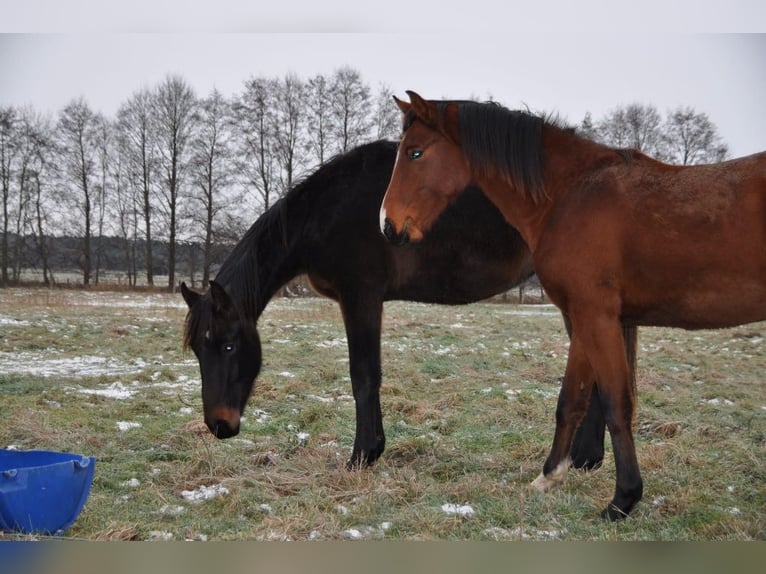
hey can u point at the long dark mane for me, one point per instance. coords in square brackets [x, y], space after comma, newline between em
[506, 141]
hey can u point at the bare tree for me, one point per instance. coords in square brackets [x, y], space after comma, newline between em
[39, 200]
[386, 119]
[684, 137]
[351, 108]
[318, 117]
[635, 126]
[136, 136]
[691, 138]
[125, 208]
[103, 139]
[211, 173]
[8, 152]
[256, 148]
[174, 105]
[76, 131]
[289, 136]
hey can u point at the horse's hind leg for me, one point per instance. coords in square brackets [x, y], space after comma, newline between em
[587, 451]
[363, 326]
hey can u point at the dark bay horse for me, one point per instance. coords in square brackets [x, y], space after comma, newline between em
[617, 239]
[327, 228]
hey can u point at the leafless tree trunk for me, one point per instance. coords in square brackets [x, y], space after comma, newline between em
[350, 108]
[8, 150]
[210, 171]
[290, 102]
[257, 163]
[691, 138]
[137, 140]
[318, 117]
[76, 131]
[387, 119]
[174, 105]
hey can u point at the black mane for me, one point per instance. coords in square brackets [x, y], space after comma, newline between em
[495, 138]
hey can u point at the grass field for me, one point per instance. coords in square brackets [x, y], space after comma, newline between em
[468, 398]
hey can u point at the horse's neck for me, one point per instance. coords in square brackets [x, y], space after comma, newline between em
[265, 260]
[567, 158]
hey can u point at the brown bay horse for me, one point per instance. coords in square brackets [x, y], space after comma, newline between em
[618, 240]
[326, 226]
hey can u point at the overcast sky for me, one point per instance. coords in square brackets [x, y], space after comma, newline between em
[551, 56]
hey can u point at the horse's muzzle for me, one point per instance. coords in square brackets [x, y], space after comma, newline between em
[389, 231]
[222, 429]
[223, 422]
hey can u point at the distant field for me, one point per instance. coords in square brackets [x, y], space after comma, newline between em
[468, 397]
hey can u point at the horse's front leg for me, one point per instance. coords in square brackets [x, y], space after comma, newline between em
[587, 451]
[571, 408]
[601, 337]
[363, 327]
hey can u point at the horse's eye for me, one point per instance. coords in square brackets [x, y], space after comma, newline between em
[415, 153]
[228, 348]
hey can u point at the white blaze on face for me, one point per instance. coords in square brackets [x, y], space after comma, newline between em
[382, 219]
[383, 209]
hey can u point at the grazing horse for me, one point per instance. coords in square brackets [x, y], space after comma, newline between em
[327, 227]
[617, 239]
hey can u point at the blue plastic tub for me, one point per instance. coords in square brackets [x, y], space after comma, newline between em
[41, 491]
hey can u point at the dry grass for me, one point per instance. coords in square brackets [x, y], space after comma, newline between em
[468, 400]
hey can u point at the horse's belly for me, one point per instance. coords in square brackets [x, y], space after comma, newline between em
[700, 309]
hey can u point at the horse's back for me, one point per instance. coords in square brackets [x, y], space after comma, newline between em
[677, 246]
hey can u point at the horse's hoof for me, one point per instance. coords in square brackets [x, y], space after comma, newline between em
[612, 513]
[554, 478]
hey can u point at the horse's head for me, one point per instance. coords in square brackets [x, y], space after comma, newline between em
[229, 353]
[430, 170]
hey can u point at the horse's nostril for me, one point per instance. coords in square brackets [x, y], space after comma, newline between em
[390, 232]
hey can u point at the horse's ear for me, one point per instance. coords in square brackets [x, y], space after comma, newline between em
[222, 304]
[404, 106]
[424, 110]
[190, 296]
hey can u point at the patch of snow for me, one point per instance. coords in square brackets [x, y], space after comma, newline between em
[123, 426]
[531, 310]
[41, 364]
[172, 510]
[336, 342]
[132, 483]
[718, 401]
[114, 391]
[160, 535]
[302, 437]
[352, 534]
[9, 322]
[321, 399]
[342, 510]
[498, 533]
[203, 493]
[465, 510]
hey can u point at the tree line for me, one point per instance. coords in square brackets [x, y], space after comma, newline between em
[191, 173]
